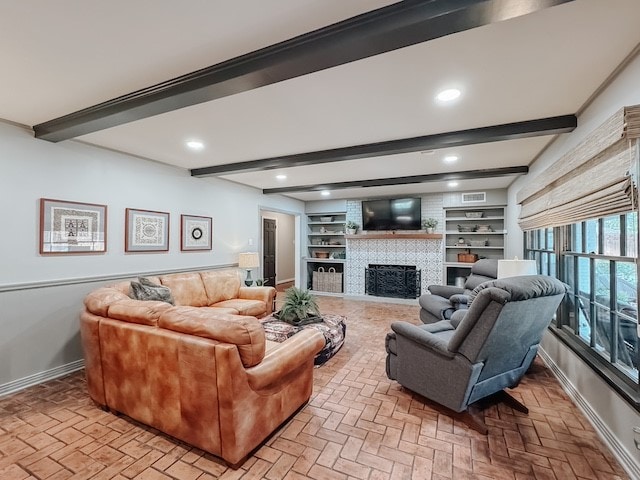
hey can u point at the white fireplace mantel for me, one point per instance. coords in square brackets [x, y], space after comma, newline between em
[395, 236]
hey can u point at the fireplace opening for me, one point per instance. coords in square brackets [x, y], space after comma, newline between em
[395, 281]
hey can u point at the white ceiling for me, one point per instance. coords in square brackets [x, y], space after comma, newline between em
[61, 56]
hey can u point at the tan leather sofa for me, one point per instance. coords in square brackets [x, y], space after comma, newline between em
[196, 371]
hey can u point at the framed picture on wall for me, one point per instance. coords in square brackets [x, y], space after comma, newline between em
[72, 227]
[146, 231]
[196, 233]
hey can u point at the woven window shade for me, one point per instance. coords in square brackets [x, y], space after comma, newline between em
[595, 179]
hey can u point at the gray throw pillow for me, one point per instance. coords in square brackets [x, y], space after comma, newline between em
[145, 289]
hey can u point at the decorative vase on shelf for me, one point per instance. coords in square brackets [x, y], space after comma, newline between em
[351, 227]
[429, 224]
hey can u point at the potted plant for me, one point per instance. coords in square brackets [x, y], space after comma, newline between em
[299, 308]
[351, 227]
[429, 224]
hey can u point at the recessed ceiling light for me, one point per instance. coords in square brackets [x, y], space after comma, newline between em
[325, 193]
[452, 184]
[448, 95]
[195, 145]
[282, 176]
[450, 158]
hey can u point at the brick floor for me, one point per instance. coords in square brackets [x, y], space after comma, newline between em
[358, 425]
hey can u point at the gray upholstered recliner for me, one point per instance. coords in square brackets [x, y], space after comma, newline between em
[443, 300]
[480, 351]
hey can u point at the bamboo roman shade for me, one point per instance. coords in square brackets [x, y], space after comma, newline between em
[595, 179]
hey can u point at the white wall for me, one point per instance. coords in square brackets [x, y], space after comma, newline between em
[623, 91]
[285, 245]
[40, 325]
[610, 408]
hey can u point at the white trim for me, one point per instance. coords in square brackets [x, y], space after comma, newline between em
[606, 435]
[41, 377]
[286, 281]
[103, 278]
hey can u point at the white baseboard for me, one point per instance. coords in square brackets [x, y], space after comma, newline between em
[606, 435]
[41, 377]
[285, 281]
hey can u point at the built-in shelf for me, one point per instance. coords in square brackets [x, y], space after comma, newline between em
[493, 232]
[467, 247]
[331, 231]
[455, 217]
[481, 219]
[324, 260]
[458, 264]
[391, 236]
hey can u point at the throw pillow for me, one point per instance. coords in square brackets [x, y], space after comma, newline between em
[145, 289]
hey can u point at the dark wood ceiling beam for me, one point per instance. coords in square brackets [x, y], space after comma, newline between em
[396, 26]
[494, 133]
[384, 182]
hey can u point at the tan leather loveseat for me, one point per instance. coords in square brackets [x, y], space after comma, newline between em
[196, 371]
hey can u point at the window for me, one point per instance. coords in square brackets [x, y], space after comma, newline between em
[540, 247]
[599, 319]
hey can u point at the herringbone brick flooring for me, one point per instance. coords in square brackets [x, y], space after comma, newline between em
[358, 425]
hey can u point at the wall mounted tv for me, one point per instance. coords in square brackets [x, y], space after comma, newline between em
[391, 214]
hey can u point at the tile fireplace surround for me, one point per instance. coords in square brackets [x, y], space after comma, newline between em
[424, 254]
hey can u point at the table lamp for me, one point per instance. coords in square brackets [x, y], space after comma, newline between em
[248, 261]
[515, 267]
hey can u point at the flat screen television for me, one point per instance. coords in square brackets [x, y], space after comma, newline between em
[391, 214]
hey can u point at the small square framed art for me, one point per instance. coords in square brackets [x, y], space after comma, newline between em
[72, 227]
[146, 231]
[196, 233]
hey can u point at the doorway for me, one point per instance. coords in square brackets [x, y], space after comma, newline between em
[269, 251]
[278, 249]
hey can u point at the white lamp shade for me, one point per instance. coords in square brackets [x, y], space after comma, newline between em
[514, 268]
[248, 260]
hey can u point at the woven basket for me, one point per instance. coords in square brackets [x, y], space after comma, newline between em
[467, 257]
[329, 281]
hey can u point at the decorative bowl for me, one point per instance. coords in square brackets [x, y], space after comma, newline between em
[473, 214]
[321, 254]
[467, 228]
[478, 243]
[326, 219]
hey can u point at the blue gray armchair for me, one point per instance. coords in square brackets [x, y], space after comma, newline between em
[443, 300]
[479, 351]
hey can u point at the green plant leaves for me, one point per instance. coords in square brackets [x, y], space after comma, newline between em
[298, 305]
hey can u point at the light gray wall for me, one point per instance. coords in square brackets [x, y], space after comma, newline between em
[322, 206]
[493, 197]
[621, 92]
[616, 414]
[40, 325]
[285, 245]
